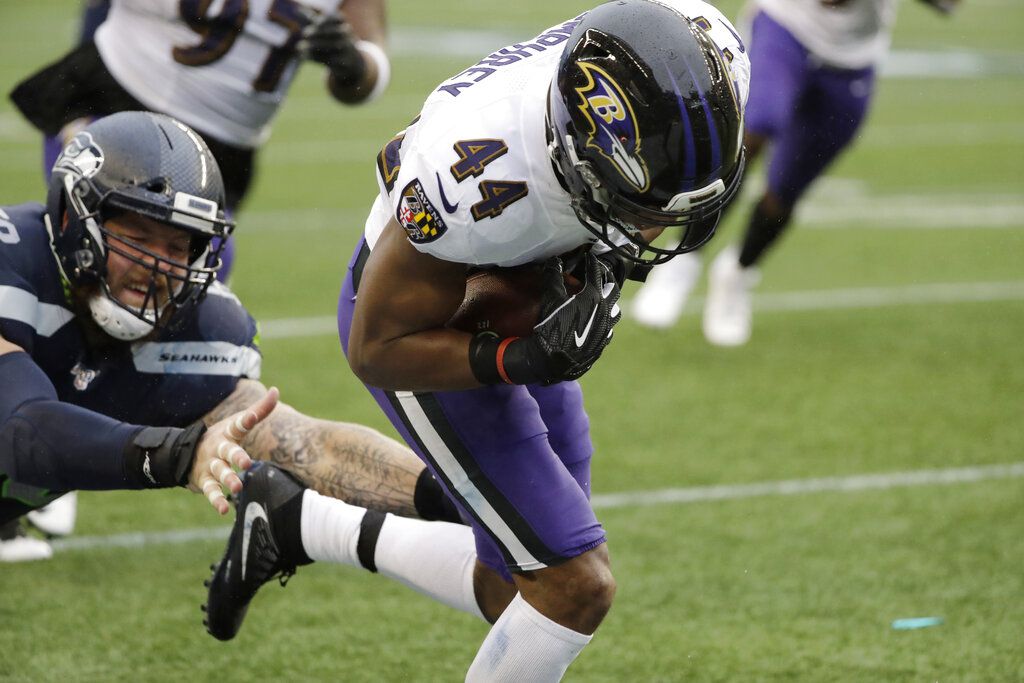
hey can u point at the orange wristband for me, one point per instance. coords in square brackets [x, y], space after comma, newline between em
[499, 359]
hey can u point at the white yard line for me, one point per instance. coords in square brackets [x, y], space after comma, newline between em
[696, 494]
[912, 212]
[857, 482]
[811, 300]
[835, 202]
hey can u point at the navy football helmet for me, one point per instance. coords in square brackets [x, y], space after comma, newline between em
[148, 164]
[645, 127]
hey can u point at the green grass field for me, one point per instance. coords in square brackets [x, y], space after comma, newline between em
[887, 341]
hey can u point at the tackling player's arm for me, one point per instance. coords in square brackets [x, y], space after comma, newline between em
[50, 444]
[347, 461]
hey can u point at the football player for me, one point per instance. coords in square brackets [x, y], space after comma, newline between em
[223, 69]
[162, 57]
[125, 365]
[572, 149]
[813, 74]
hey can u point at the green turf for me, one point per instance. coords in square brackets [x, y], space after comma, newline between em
[794, 588]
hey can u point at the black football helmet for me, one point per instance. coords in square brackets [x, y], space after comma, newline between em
[645, 127]
[147, 164]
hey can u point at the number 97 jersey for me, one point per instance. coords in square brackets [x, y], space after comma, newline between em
[223, 68]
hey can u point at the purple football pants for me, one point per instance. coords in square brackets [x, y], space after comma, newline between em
[515, 459]
[809, 111]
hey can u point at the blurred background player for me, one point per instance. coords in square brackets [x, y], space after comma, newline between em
[584, 143]
[813, 68]
[224, 70]
[111, 319]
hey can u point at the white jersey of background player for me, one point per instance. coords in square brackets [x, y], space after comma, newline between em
[475, 183]
[850, 34]
[152, 50]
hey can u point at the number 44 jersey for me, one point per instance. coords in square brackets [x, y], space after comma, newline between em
[223, 68]
[471, 180]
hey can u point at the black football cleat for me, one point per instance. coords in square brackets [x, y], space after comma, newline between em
[253, 555]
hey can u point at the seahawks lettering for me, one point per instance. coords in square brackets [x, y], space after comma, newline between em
[196, 358]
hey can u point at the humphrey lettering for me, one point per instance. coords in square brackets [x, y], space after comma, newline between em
[508, 55]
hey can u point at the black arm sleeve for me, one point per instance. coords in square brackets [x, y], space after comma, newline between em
[54, 445]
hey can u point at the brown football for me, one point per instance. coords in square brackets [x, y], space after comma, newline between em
[504, 300]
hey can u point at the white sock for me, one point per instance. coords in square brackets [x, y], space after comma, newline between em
[433, 558]
[330, 528]
[524, 645]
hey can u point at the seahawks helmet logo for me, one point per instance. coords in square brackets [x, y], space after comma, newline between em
[81, 157]
[613, 128]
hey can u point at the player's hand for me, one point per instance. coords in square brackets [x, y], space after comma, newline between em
[574, 330]
[219, 452]
[330, 42]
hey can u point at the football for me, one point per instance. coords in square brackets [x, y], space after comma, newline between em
[504, 300]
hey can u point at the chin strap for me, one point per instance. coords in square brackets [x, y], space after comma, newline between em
[119, 323]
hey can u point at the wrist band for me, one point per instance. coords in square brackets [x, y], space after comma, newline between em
[499, 359]
[376, 54]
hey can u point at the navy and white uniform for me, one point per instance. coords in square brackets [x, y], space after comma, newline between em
[471, 182]
[172, 380]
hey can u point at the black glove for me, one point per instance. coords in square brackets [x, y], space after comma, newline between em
[572, 332]
[330, 42]
[622, 268]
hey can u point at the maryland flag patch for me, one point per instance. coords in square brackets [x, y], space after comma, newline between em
[418, 216]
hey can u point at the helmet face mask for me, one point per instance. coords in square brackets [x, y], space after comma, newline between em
[645, 128]
[151, 166]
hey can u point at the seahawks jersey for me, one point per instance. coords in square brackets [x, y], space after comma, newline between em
[471, 180]
[850, 34]
[224, 71]
[172, 380]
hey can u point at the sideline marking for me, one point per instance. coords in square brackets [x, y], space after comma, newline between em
[696, 494]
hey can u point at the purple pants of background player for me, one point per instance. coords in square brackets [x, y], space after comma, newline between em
[515, 459]
[808, 110]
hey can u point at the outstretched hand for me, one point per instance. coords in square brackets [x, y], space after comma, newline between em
[219, 452]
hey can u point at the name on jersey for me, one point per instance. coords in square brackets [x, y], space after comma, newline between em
[417, 215]
[196, 358]
[508, 55]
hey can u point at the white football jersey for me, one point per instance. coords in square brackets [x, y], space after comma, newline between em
[851, 35]
[472, 181]
[188, 59]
